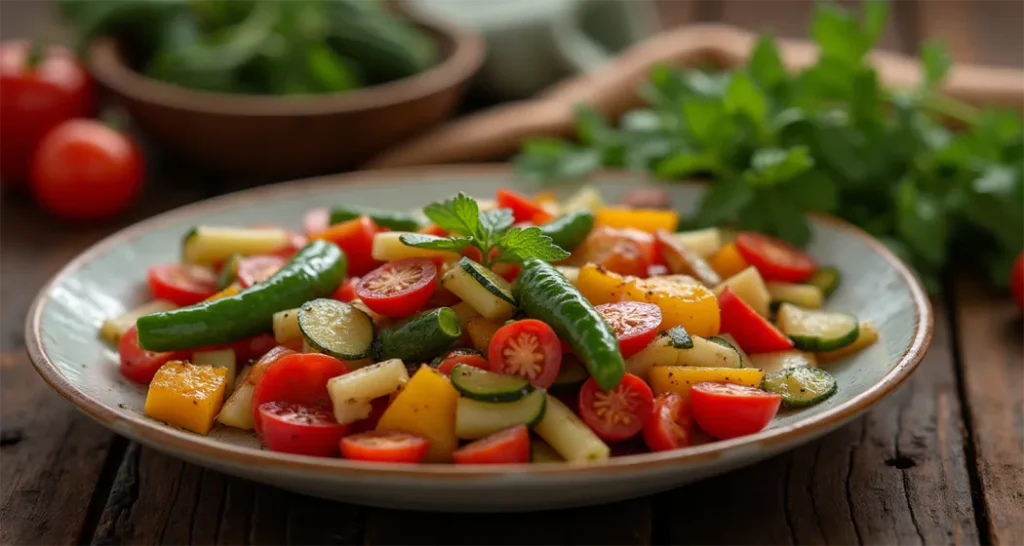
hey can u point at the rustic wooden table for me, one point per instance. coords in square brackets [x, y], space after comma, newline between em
[940, 461]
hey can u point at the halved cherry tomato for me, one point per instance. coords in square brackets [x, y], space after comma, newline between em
[725, 411]
[623, 251]
[355, 237]
[460, 356]
[252, 348]
[507, 271]
[347, 291]
[399, 288]
[473, 253]
[433, 229]
[299, 378]
[527, 348]
[181, 284]
[316, 221]
[635, 323]
[752, 331]
[774, 259]
[523, 208]
[1017, 280]
[377, 408]
[670, 425]
[617, 414]
[303, 429]
[138, 364]
[256, 269]
[384, 446]
[508, 446]
[265, 361]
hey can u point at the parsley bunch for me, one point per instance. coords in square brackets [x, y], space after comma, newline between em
[828, 138]
[486, 230]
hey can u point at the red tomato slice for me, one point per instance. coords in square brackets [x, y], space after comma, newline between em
[256, 269]
[527, 348]
[181, 284]
[459, 356]
[670, 425]
[299, 378]
[635, 323]
[752, 331]
[523, 208]
[254, 347]
[299, 428]
[624, 251]
[726, 411]
[377, 408]
[617, 414]
[355, 237]
[347, 291]
[433, 229]
[774, 258]
[384, 446]
[316, 220]
[508, 446]
[138, 364]
[399, 288]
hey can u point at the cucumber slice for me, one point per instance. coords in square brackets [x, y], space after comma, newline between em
[419, 339]
[781, 360]
[210, 245]
[800, 387]
[485, 386]
[228, 272]
[571, 375]
[826, 279]
[817, 331]
[807, 296]
[336, 328]
[475, 419]
[487, 293]
[729, 345]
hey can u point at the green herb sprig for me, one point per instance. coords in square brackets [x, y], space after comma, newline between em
[486, 230]
[828, 138]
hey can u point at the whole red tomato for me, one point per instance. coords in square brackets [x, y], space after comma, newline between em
[84, 170]
[39, 92]
[1017, 280]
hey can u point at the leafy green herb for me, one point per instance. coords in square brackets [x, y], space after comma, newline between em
[828, 138]
[485, 230]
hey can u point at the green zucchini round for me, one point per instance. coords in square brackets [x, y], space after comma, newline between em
[485, 386]
[336, 328]
[800, 387]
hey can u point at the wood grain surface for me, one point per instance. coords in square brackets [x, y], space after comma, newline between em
[939, 462]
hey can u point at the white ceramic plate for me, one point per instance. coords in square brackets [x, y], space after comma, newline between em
[61, 336]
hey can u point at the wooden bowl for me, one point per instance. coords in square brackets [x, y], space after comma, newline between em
[273, 137]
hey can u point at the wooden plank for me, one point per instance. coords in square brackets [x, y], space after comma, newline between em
[897, 476]
[992, 367]
[981, 32]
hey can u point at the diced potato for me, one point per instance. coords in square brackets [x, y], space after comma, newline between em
[426, 408]
[186, 396]
[221, 358]
[866, 336]
[679, 379]
[570, 272]
[728, 261]
[286, 325]
[114, 328]
[599, 285]
[465, 312]
[481, 330]
[378, 319]
[541, 452]
[569, 435]
[682, 300]
[586, 199]
[210, 244]
[387, 248]
[237, 410]
[351, 393]
[705, 242]
[750, 288]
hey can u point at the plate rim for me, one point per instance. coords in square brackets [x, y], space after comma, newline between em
[137, 427]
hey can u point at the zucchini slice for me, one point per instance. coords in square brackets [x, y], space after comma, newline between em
[781, 360]
[475, 419]
[706, 353]
[807, 296]
[487, 293]
[571, 374]
[485, 386]
[800, 387]
[336, 328]
[826, 279]
[817, 331]
[210, 245]
[419, 338]
[867, 335]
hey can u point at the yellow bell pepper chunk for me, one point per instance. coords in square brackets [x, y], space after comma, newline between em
[679, 379]
[683, 302]
[231, 290]
[727, 261]
[599, 285]
[186, 396]
[426, 408]
[649, 220]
